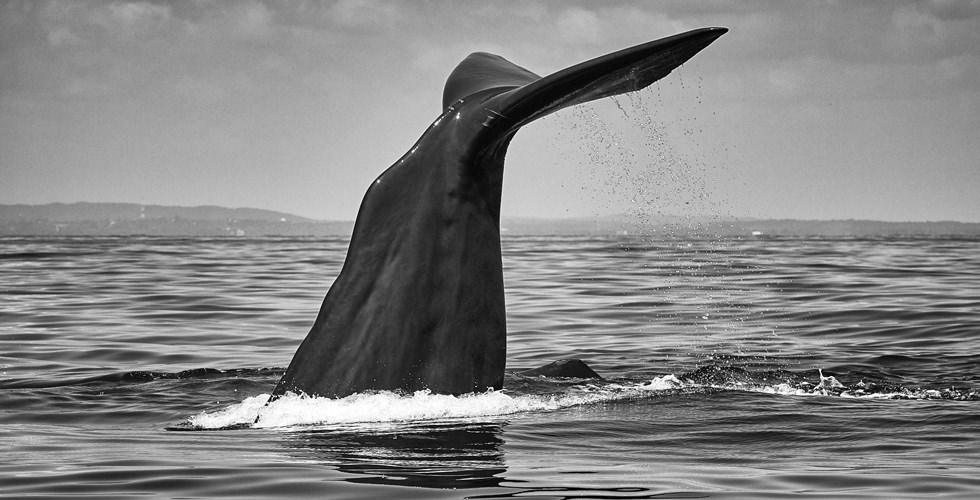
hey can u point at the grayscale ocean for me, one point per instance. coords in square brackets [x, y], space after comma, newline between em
[139, 367]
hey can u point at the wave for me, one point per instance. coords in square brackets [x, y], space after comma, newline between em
[370, 410]
[138, 377]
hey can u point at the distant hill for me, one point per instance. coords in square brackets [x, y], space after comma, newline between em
[156, 220]
[83, 211]
[109, 219]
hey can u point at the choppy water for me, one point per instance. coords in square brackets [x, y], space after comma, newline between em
[835, 368]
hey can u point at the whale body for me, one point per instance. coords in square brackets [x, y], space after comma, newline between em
[419, 302]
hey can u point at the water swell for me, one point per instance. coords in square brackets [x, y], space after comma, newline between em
[124, 378]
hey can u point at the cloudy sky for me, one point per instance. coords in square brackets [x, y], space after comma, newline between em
[816, 109]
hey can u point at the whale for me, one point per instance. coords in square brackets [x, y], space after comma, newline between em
[419, 302]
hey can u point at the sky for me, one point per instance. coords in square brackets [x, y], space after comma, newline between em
[805, 109]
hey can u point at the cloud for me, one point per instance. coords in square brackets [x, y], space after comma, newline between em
[88, 23]
[578, 25]
[132, 19]
[364, 12]
[923, 32]
[251, 20]
[951, 9]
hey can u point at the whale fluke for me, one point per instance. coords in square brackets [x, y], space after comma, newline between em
[419, 303]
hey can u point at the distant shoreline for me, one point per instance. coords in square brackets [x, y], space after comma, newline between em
[120, 219]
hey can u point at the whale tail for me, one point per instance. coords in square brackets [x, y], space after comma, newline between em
[419, 302]
[521, 96]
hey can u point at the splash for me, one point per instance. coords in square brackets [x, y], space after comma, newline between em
[827, 385]
[383, 408]
[646, 169]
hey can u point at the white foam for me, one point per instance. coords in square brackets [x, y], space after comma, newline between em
[386, 407]
[665, 383]
[383, 407]
[830, 386]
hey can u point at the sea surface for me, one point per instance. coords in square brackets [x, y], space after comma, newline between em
[139, 367]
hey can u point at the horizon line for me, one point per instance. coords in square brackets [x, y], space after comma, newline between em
[745, 217]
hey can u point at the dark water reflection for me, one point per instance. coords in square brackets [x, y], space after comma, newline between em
[445, 456]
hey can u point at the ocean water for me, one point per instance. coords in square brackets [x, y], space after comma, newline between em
[744, 368]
